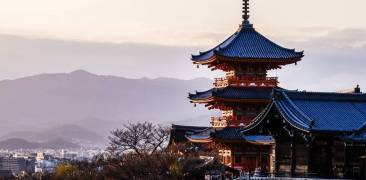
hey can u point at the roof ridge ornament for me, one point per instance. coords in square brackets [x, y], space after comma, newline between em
[246, 10]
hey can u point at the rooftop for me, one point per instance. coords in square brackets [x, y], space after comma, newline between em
[248, 45]
[320, 111]
[234, 93]
[228, 134]
[179, 132]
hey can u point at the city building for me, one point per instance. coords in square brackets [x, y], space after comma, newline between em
[45, 166]
[6, 174]
[68, 155]
[40, 156]
[15, 165]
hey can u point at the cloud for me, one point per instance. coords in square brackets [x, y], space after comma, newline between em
[22, 57]
[332, 62]
[334, 59]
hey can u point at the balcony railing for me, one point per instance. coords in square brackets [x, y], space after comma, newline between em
[230, 121]
[219, 122]
[246, 82]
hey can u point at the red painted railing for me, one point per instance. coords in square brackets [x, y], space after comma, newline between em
[246, 82]
[230, 121]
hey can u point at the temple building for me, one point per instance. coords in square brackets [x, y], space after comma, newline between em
[245, 91]
[286, 133]
[246, 57]
[242, 94]
[317, 134]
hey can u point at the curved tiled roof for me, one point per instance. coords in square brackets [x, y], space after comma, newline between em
[178, 133]
[241, 93]
[229, 134]
[319, 112]
[188, 128]
[204, 135]
[247, 43]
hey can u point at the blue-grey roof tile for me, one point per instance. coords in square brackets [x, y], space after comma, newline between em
[229, 133]
[313, 111]
[241, 93]
[247, 43]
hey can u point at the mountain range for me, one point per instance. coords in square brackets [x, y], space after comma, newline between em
[15, 143]
[82, 107]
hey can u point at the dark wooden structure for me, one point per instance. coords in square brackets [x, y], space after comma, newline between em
[241, 152]
[316, 134]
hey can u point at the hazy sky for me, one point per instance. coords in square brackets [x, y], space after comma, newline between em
[154, 38]
[171, 21]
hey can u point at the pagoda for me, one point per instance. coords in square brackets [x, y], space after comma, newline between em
[244, 92]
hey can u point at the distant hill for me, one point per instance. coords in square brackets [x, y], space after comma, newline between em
[15, 143]
[72, 133]
[81, 106]
[59, 144]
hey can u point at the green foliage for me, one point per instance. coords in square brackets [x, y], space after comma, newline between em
[65, 171]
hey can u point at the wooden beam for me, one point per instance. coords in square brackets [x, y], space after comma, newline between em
[345, 161]
[310, 145]
[293, 155]
[363, 172]
[277, 155]
[330, 156]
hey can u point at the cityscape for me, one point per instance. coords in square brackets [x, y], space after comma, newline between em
[27, 163]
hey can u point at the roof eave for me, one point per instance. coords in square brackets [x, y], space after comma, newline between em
[280, 61]
[252, 100]
[292, 123]
[218, 57]
[259, 119]
[230, 140]
[203, 100]
[207, 140]
[212, 99]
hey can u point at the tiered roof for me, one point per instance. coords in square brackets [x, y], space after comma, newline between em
[233, 93]
[247, 45]
[228, 134]
[313, 112]
[178, 133]
[203, 136]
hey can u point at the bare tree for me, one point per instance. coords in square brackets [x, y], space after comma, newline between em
[139, 138]
[138, 151]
